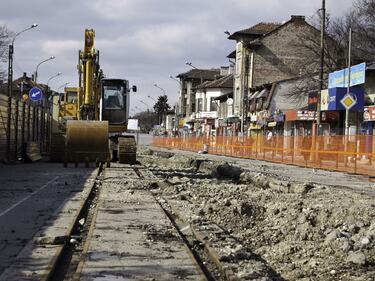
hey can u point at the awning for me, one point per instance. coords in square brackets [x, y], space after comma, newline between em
[232, 119]
[263, 94]
[254, 95]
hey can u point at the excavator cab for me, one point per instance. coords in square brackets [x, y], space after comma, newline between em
[115, 110]
[115, 103]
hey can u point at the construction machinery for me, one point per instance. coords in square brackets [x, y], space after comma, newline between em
[97, 121]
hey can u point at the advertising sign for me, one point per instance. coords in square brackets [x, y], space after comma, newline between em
[300, 115]
[312, 101]
[369, 113]
[324, 100]
[133, 124]
[340, 78]
[208, 114]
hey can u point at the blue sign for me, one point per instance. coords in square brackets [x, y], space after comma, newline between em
[340, 78]
[35, 94]
[336, 95]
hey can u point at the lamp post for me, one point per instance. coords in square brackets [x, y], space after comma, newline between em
[10, 86]
[49, 129]
[52, 77]
[157, 86]
[178, 81]
[36, 69]
[148, 108]
[63, 85]
[152, 99]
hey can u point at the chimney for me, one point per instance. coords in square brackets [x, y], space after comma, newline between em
[297, 18]
[224, 70]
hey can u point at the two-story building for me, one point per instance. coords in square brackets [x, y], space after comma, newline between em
[208, 104]
[188, 85]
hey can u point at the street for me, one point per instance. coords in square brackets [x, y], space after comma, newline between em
[29, 195]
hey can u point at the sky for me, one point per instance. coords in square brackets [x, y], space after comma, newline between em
[143, 41]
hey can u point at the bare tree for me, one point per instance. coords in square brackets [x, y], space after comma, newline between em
[4, 42]
[361, 18]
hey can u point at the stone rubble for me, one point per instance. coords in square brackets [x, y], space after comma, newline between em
[301, 230]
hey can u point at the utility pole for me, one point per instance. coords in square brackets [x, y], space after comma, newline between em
[10, 89]
[348, 88]
[322, 33]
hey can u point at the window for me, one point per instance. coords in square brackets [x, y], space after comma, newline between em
[213, 105]
[113, 97]
[200, 105]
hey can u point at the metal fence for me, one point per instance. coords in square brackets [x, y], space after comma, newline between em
[29, 122]
[353, 154]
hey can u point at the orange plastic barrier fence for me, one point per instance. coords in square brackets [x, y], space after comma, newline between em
[352, 154]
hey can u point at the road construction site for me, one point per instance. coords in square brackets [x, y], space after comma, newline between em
[185, 216]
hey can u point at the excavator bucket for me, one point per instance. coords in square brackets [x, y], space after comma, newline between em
[86, 141]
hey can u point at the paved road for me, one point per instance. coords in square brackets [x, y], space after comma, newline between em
[29, 195]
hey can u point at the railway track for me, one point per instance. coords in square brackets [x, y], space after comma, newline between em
[125, 232]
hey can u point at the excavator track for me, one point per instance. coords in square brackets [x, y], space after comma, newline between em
[127, 150]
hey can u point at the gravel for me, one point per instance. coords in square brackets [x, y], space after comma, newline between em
[303, 230]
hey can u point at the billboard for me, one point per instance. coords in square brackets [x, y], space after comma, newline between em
[340, 78]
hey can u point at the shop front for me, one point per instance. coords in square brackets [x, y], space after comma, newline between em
[299, 122]
[369, 119]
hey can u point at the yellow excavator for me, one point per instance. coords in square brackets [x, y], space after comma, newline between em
[96, 133]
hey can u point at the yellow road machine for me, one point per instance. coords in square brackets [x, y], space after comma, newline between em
[96, 132]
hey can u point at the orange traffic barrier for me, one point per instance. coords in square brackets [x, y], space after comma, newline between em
[352, 154]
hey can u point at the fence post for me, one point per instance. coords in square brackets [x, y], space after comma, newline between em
[16, 129]
[23, 123]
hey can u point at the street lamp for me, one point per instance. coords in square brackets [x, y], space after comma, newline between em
[36, 70]
[54, 76]
[10, 86]
[148, 108]
[152, 99]
[178, 81]
[157, 86]
[63, 85]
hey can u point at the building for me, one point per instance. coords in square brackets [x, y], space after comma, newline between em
[269, 52]
[188, 84]
[207, 104]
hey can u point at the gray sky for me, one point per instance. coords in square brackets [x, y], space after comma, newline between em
[143, 41]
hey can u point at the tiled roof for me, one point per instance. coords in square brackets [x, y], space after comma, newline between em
[258, 29]
[222, 82]
[205, 74]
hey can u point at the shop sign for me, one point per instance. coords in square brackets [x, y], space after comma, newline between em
[300, 115]
[306, 115]
[336, 95]
[272, 124]
[330, 116]
[324, 100]
[369, 113]
[340, 78]
[312, 101]
[208, 114]
[181, 122]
